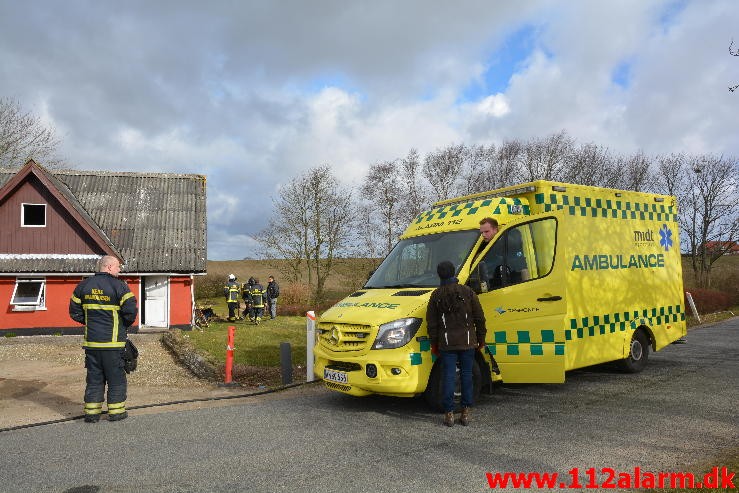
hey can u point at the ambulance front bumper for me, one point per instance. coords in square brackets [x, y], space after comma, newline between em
[386, 372]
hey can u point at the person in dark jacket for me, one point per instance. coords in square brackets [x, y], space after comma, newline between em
[456, 327]
[106, 306]
[273, 291]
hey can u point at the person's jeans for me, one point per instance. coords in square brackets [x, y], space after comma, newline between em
[273, 307]
[466, 358]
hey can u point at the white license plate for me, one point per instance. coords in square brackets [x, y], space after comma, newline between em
[335, 376]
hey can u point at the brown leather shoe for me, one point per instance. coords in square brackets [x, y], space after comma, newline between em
[464, 420]
[449, 419]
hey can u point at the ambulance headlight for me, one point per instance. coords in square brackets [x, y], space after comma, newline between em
[396, 333]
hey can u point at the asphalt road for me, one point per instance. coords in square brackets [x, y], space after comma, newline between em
[681, 411]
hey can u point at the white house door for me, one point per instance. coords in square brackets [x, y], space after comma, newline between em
[155, 301]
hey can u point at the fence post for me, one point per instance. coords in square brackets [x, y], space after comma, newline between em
[229, 354]
[692, 306]
[310, 341]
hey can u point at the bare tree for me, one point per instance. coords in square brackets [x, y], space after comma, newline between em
[671, 175]
[443, 168]
[24, 136]
[415, 195]
[710, 215]
[593, 165]
[546, 159]
[382, 189]
[480, 171]
[508, 164]
[310, 226]
[733, 53]
[634, 172]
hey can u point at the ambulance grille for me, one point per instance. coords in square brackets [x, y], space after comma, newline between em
[344, 366]
[418, 292]
[337, 386]
[344, 337]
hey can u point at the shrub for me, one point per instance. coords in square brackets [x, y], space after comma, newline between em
[209, 286]
[728, 284]
[300, 309]
[293, 293]
[709, 301]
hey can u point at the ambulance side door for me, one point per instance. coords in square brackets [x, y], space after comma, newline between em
[524, 304]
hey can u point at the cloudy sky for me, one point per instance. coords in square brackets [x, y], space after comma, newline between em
[251, 93]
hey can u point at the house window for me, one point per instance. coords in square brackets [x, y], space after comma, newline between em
[33, 215]
[29, 295]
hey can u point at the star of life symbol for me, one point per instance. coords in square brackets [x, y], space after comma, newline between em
[500, 310]
[665, 235]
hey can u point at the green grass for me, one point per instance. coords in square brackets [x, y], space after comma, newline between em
[254, 345]
[260, 346]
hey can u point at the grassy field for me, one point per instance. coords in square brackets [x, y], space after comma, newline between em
[255, 345]
[724, 274]
[350, 275]
[260, 345]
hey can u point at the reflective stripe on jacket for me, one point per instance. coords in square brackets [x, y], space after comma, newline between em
[106, 307]
[231, 292]
[257, 296]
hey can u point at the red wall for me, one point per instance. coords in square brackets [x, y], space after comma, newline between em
[62, 234]
[180, 301]
[58, 293]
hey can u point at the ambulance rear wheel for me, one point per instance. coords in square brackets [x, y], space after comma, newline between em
[435, 389]
[638, 353]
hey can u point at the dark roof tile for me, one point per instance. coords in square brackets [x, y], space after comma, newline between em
[157, 221]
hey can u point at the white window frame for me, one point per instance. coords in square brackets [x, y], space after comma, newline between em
[29, 306]
[23, 216]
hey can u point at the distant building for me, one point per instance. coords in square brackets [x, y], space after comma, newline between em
[55, 225]
[728, 247]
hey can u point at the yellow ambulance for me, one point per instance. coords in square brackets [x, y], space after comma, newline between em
[575, 276]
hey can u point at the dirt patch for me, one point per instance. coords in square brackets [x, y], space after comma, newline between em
[42, 378]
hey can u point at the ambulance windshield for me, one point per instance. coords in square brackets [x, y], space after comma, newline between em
[412, 263]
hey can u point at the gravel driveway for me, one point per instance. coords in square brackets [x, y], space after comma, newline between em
[43, 378]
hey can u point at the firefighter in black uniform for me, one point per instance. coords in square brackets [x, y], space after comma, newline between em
[107, 308]
[231, 292]
[257, 294]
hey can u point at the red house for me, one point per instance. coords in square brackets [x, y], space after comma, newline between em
[55, 225]
[722, 247]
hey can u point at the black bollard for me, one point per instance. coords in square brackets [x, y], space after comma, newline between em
[286, 363]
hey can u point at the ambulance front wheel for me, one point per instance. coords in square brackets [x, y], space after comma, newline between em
[435, 387]
[638, 353]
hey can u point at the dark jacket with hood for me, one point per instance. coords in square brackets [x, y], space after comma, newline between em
[454, 317]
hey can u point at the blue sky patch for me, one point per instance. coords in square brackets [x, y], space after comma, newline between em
[671, 11]
[500, 66]
[329, 78]
[621, 75]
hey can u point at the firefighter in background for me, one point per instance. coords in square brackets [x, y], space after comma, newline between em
[246, 296]
[257, 294]
[231, 292]
[106, 306]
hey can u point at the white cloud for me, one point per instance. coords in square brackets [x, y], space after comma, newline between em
[495, 106]
[252, 94]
